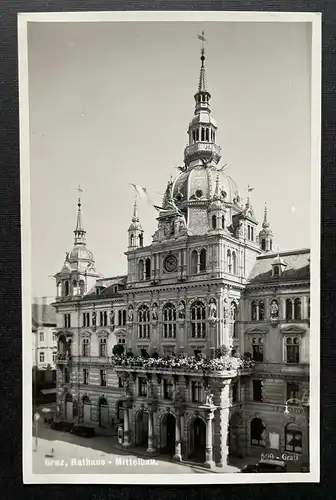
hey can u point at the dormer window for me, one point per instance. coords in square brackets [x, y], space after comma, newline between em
[276, 271]
[97, 291]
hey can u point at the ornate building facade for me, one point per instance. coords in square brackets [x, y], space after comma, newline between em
[202, 349]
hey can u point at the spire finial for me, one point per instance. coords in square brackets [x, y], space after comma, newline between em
[265, 224]
[203, 39]
[135, 217]
[79, 231]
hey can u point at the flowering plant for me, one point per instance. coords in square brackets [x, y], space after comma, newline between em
[223, 363]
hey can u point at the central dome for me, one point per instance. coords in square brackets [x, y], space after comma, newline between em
[80, 252]
[199, 183]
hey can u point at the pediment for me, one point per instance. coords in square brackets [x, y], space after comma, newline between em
[120, 332]
[293, 329]
[257, 330]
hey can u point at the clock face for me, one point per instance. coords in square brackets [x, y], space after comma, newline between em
[170, 263]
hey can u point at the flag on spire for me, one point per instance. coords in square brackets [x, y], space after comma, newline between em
[141, 192]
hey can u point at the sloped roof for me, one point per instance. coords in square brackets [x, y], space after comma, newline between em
[43, 315]
[108, 291]
[297, 267]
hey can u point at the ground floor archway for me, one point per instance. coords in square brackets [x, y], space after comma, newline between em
[86, 410]
[103, 413]
[168, 429]
[197, 440]
[68, 407]
[141, 429]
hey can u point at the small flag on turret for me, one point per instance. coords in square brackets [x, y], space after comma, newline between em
[141, 192]
[249, 189]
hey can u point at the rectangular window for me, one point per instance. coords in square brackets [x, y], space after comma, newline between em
[142, 387]
[293, 392]
[120, 382]
[54, 357]
[168, 389]
[248, 232]
[41, 357]
[293, 350]
[85, 376]
[252, 237]
[103, 378]
[86, 347]
[67, 321]
[102, 348]
[257, 349]
[293, 440]
[257, 390]
[54, 337]
[66, 376]
[41, 336]
[197, 392]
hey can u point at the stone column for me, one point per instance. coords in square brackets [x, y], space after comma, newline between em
[127, 440]
[198, 261]
[150, 448]
[178, 453]
[209, 415]
[223, 423]
[184, 273]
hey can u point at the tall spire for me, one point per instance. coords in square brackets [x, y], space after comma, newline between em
[79, 231]
[135, 217]
[202, 96]
[265, 223]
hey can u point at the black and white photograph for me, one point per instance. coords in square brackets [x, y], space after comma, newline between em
[170, 194]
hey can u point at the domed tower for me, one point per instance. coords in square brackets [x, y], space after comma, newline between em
[266, 235]
[135, 231]
[217, 210]
[78, 274]
[202, 129]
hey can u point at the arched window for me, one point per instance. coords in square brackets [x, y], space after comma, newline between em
[261, 310]
[103, 348]
[66, 288]
[297, 308]
[292, 350]
[213, 222]
[203, 134]
[229, 262]
[141, 270]
[194, 260]
[59, 289]
[132, 240]
[74, 288]
[223, 222]
[86, 347]
[257, 432]
[141, 240]
[203, 260]
[253, 310]
[169, 321]
[124, 317]
[289, 309]
[148, 269]
[234, 263]
[120, 317]
[263, 244]
[143, 322]
[86, 319]
[293, 438]
[198, 319]
[81, 287]
[276, 271]
[207, 134]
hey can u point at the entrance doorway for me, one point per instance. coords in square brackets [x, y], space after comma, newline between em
[103, 413]
[197, 440]
[68, 407]
[141, 429]
[86, 410]
[168, 429]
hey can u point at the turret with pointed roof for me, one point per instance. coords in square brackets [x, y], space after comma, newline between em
[266, 234]
[135, 231]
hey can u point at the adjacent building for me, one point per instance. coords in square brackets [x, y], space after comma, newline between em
[202, 350]
[44, 344]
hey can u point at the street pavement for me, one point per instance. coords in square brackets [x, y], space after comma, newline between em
[99, 455]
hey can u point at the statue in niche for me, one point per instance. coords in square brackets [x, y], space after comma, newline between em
[155, 315]
[127, 383]
[178, 394]
[208, 397]
[130, 314]
[181, 310]
[212, 309]
[274, 309]
[94, 318]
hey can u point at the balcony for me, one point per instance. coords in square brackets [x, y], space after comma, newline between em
[204, 150]
[223, 367]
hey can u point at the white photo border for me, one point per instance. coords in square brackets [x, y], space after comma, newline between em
[168, 16]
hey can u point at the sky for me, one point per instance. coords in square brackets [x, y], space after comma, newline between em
[110, 104]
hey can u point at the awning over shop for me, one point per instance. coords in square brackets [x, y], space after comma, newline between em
[49, 391]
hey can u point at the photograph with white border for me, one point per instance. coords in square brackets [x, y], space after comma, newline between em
[170, 205]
